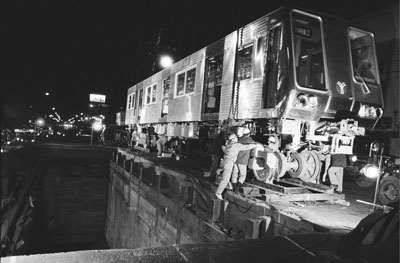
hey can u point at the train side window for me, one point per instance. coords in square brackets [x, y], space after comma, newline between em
[308, 52]
[165, 97]
[151, 94]
[185, 81]
[190, 80]
[363, 56]
[180, 84]
[213, 82]
[131, 101]
[244, 62]
[129, 105]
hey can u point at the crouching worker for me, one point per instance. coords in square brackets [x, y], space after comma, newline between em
[230, 157]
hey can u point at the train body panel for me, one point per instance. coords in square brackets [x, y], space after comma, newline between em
[131, 106]
[152, 90]
[186, 89]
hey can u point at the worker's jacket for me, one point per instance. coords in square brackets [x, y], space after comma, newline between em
[234, 148]
[243, 156]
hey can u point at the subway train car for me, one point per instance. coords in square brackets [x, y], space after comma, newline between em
[309, 79]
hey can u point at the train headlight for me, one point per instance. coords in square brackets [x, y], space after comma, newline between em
[370, 171]
[353, 158]
[313, 101]
[306, 101]
[370, 112]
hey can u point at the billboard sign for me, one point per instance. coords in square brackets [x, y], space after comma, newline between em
[97, 98]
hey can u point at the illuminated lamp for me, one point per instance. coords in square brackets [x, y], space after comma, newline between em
[166, 61]
[370, 112]
[370, 171]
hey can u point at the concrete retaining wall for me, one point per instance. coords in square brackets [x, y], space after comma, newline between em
[151, 205]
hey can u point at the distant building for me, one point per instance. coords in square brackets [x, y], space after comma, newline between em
[120, 118]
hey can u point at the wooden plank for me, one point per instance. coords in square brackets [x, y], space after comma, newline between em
[303, 197]
[288, 189]
[311, 186]
[137, 147]
[250, 191]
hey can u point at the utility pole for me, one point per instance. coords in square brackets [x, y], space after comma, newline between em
[157, 46]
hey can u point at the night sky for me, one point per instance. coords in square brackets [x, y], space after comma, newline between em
[72, 48]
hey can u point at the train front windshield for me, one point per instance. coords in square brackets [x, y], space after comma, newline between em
[308, 51]
[363, 56]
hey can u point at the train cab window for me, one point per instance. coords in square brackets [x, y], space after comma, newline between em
[165, 97]
[244, 62]
[308, 52]
[213, 82]
[363, 56]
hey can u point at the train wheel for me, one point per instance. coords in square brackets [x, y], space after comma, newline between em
[281, 165]
[389, 189]
[296, 165]
[312, 166]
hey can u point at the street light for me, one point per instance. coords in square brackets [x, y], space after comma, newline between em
[166, 61]
[38, 122]
[97, 126]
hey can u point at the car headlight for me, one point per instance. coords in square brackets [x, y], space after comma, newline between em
[353, 158]
[370, 171]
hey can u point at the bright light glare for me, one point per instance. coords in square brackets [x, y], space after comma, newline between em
[97, 126]
[166, 61]
[40, 122]
[354, 158]
[371, 171]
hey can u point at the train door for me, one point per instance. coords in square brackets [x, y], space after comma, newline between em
[213, 84]
[140, 100]
[165, 97]
[275, 67]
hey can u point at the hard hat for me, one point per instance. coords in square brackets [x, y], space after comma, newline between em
[246, 131]
[272, 139]
[232, 136]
